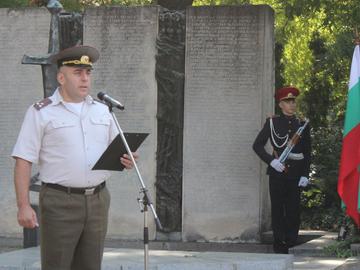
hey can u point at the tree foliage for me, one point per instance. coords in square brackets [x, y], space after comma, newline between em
[13, 3]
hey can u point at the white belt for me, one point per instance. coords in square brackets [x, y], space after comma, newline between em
[296, 156]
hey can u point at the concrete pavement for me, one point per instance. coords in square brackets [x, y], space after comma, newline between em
[198, 256]
[133, 259]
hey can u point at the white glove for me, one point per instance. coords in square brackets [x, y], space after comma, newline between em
[303, 181]
[277, 165]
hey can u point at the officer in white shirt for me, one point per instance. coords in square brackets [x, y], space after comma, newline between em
[65, 135]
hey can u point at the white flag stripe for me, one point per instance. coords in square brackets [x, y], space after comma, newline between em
[355, 68]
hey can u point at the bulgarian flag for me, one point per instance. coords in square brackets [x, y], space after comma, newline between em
[348, 183]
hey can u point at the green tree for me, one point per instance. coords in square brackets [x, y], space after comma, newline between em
[13, 3]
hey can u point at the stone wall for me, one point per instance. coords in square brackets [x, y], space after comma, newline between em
[126, 39]
[229, 79]
[229, 82]
[22, 31]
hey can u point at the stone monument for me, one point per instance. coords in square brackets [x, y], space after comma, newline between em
[210, 185]
[229, 82]
[170, 69]
[22, 31]
[49, 69]
[126, 39]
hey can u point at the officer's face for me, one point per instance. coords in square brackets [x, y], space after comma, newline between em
[288, 106]
[74, 83]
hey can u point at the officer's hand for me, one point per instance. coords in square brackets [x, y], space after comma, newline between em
[277, 165]
[126, 160]
[303, 181]
[27, 217]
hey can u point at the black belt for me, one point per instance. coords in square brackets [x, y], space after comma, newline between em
[85, 191]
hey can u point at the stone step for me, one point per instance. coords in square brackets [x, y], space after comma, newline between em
[355, 249]
[352, 263]
[12, 243]
[192, 246]
[315, 247]
[317, 263]
[304, 236]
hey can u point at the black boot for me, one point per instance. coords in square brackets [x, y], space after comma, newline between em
[280, 247]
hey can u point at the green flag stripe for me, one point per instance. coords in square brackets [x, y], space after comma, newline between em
[352, 117]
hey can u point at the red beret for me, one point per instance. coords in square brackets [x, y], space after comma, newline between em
[287, 92]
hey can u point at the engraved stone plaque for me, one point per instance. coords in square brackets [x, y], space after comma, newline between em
[22, 31]
[229, 79]
[126, 39]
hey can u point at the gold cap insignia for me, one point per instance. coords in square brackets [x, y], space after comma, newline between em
[84, 60]
[290, 95]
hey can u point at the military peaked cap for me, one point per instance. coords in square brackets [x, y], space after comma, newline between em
[77, 56]
[288, 92]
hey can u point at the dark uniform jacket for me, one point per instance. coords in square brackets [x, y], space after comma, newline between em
[285, 125]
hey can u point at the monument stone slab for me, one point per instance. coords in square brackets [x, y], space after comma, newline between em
[229, 78]
[126, 39]
[22, 31]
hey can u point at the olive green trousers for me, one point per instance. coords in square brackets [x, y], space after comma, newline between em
[72, 229]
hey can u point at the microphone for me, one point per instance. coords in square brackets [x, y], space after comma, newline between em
[104, 97]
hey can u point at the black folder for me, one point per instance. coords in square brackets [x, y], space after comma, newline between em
[110, 159]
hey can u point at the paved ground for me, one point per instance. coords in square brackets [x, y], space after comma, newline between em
[209, 256]
[317, 263]
[116, 259]
[173, 260]
[310, 255]
[10, 244]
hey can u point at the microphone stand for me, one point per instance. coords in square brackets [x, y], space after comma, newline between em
[145, 202]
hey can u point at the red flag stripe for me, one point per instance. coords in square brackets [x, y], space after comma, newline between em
[348, 184]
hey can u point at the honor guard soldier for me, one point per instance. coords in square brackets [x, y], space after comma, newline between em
[288, 168]
[65, 134]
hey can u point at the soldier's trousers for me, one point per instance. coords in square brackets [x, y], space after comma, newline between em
[72, 229]
[285, 212]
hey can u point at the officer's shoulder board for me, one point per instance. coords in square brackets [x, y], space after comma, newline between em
[42, 103]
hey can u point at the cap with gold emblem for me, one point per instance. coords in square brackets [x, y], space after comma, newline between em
[288, 92]
[77, 56]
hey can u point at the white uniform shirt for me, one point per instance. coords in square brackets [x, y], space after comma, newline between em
[64, 144]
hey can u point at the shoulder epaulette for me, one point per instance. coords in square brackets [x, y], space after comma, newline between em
[42, 103]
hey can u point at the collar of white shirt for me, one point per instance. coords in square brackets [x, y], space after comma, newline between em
[56, 98]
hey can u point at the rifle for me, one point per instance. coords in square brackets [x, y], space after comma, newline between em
[292, 142]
